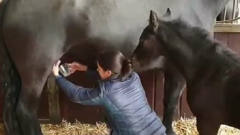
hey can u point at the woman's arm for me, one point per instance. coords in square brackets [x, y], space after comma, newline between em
[78, 94]
[74, 66]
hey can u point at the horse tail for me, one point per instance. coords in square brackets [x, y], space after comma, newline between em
[9, 77]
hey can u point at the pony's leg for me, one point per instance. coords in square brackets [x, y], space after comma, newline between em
[27, 107]
[174, 86]
[207, 126]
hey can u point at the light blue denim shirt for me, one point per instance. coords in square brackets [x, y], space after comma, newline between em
[124, 101]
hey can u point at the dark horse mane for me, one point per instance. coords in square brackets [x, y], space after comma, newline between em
[201, 39]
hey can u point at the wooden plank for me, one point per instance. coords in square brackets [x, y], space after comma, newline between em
[234, 42]
[148, 82]
[43, 110]
[83, 113]
[53, 98]
[159, 93]
[221, 37]
[227, 28]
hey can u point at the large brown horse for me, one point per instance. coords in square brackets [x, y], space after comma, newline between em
[211, 70]
[37, 33]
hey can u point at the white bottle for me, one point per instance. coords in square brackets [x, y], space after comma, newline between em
[64, 70]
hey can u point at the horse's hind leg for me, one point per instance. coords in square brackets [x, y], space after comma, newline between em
[27, 107]
[174, 85]
[33, 57]
[33, 81]
[11, 94]
[11, 86]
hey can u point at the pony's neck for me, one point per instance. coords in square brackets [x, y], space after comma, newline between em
[181, 56]
[183, 44]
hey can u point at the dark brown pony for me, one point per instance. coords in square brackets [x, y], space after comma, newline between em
[212, 72]
[37, 33]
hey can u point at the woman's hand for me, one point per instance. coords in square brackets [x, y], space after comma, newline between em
[74, 66]
[55, 69]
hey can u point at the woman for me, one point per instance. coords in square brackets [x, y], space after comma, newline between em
[119, 91]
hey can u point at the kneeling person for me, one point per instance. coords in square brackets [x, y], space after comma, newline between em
[119, 91]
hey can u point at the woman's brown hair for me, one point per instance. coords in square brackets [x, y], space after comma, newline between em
[116, 62]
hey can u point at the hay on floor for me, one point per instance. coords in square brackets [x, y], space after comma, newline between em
[184, 126]
[76, 128]
[187, 126]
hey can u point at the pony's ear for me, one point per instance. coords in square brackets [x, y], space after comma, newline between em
[168, 13]
[153, 20]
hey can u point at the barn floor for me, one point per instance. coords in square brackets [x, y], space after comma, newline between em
[183, 126]
[186, 126]
[65, 128]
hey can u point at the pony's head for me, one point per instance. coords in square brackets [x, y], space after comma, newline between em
[149, 54]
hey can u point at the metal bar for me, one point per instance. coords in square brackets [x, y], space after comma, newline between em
[225, 14]
[234, 9]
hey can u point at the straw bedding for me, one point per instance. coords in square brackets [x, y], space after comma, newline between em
[76, 128]
[187, 126]
[184, 126]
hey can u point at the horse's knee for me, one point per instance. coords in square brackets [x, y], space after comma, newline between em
[27, 106]
[172, 95]
[171, 103]
[22, 110]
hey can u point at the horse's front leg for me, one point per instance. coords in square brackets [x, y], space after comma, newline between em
[173, 88]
